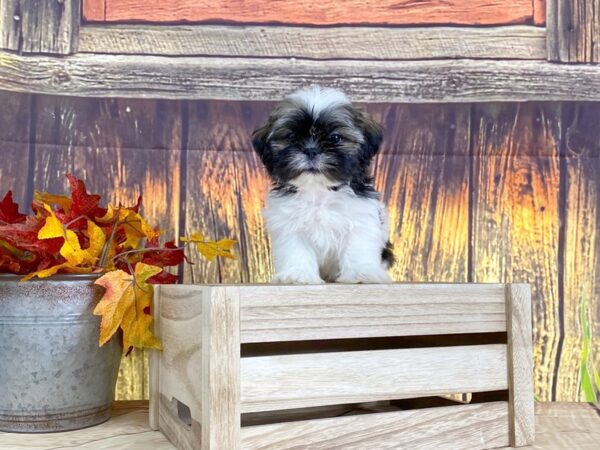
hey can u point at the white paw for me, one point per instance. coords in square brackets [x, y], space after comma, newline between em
[365, 276]
[297, 278]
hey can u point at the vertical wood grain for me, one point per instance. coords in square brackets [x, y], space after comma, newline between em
[515, 207]
[539, 12]
[520, 365]
[422, 172]
[41, 26]
[581, 255]
[574, 31]
[122, 149]
[225, 189]
[481, 12]
[221, 407]
[15, 121]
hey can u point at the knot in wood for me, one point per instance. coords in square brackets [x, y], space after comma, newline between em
[60, 77]
[453, 82]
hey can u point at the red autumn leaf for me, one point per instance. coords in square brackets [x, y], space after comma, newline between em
[137, 206]
[163, 278]
[9, 210]
[84, 203]
[25, 237]
[170, 256]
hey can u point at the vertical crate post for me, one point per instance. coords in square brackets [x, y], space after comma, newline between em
[520, 365]
[221, 369]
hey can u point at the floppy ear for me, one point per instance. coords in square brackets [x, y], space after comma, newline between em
[260, 141]
[373, 133]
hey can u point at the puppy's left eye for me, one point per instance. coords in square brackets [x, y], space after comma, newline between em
[335, 138]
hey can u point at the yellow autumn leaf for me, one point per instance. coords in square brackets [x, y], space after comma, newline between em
[53, 228]
[45, 273]
[111, 213]
[137, 319]
[135, 226]
[118, 296]
[211, 249]
[97, 239]
[123, 304]
[61, 200]
[71, 249]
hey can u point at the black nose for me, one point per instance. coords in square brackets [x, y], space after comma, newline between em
[311, 152]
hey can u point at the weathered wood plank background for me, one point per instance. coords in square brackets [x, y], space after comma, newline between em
[495, 192]
[480, 12]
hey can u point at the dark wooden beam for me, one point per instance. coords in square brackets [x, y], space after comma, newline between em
[40, 26]
[574, 31]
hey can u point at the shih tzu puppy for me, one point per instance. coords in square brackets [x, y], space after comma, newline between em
[324, 216]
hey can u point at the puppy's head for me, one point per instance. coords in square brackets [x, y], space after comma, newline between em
[317, 131]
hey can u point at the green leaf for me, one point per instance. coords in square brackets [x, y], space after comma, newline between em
[589, 392]
[588, 387]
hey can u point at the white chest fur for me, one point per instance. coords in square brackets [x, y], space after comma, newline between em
[331, 225]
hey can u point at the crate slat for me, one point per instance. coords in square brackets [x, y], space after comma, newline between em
[316, 379]
[454, 428]
[273, 313]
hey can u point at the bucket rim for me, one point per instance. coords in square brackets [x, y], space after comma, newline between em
[10, 277]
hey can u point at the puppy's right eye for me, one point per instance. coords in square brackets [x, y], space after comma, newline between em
[292, 137]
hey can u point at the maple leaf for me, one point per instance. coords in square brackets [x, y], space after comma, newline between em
[64, 267]
[170, 256]
[126, 304]
[25, 236]
[9, 210]
[211, 249]
[134, 226]
[16, 260]
[71, 249]
[82, 202]
[164, 278]
[97, 240]
[14, 251]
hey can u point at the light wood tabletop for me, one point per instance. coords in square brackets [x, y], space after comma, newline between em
[559, 426]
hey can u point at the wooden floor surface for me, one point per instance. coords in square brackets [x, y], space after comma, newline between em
[559, 426]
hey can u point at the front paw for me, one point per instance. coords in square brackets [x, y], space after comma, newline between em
[297, 278]
[373, 276]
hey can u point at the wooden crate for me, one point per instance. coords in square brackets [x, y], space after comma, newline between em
[249, 367]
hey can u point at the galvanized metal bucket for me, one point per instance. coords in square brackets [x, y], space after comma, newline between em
[53, 375]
